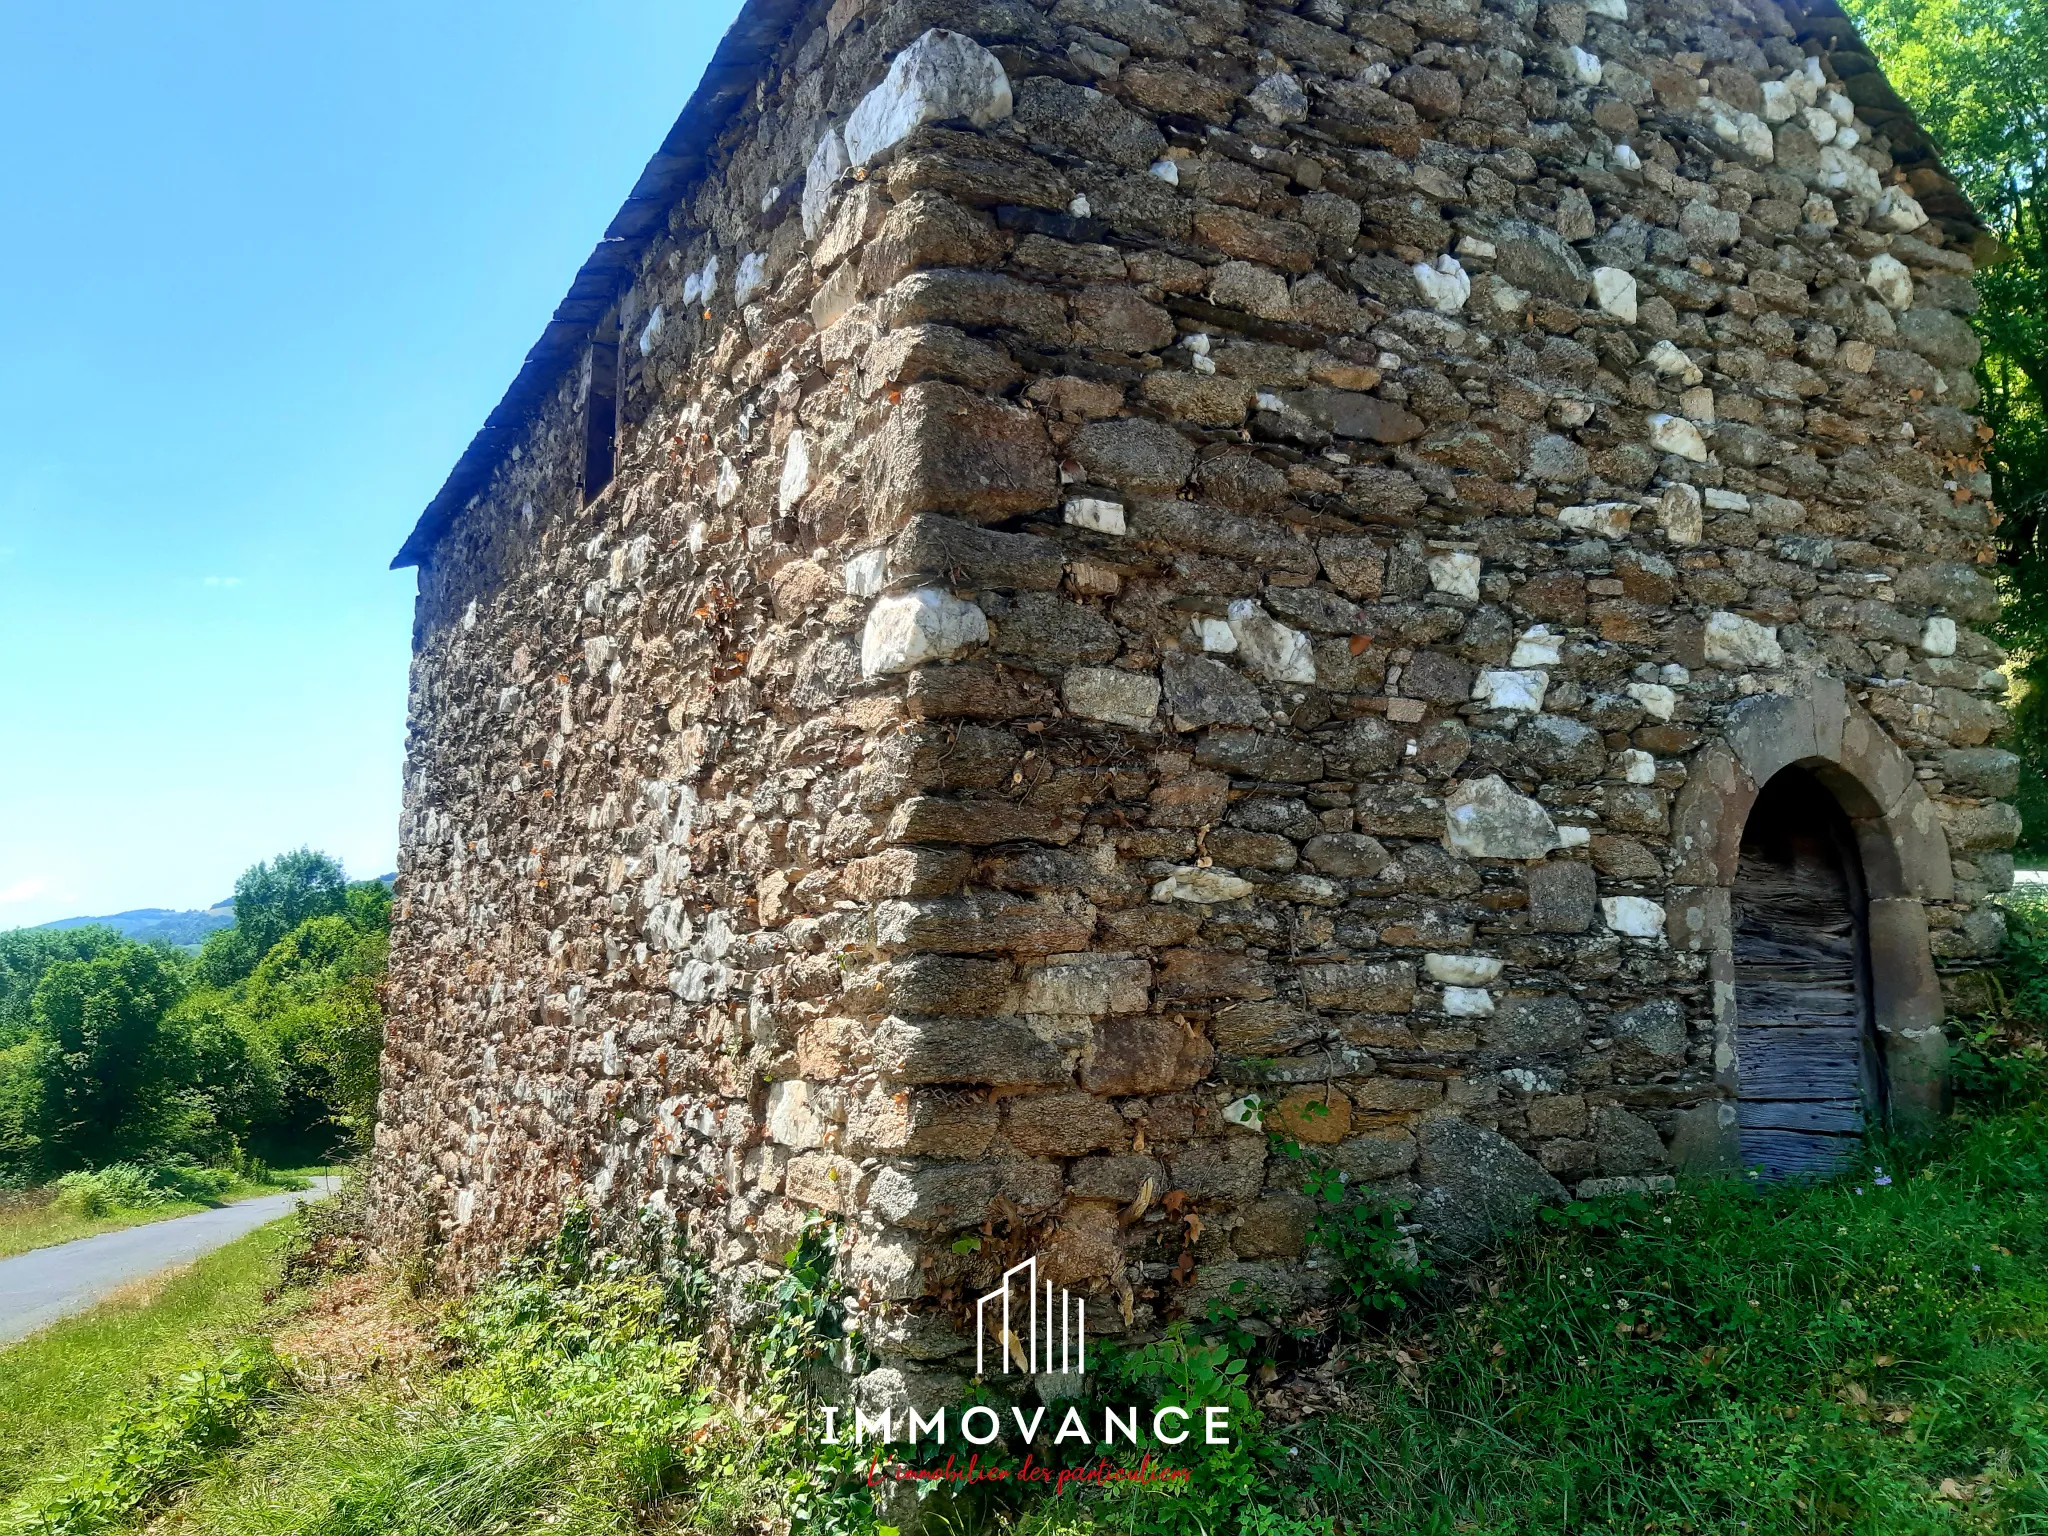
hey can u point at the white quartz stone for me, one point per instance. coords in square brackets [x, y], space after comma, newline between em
[1511, 688]
[1585, 66]
[1898, 210]
[1841, 171]
[1808, 82]
[1613, 10]
[1615, 292]
[926, 625]
[1245, 1112]
[1279, 99]
[1455, 572]
[1679, 515]
[1484, 819]
[1722, 500]
[795, 1116]
[1637, 767]
[1111, 694]
[939, 77]
[796, 471]
[1203, 885]
[1657, 700]
[1748, 132]
[1468, 1002]
[1574, 837]
[1938, 638]
[1217, 636]
[1537, 647]
[701, 284]
[1445, 285]
[1096, 514]
[1604, 519]
[1271, 649]
[1461, 970]
[867, 572]
[1820, 210]
[650, 332]
[1779, 102]
[1674, 434]
[1627, 158]
[1636, 917]
[828, 163]
[1841, 107]
[1820, 123]
[1733, 641]
[1167, 171]
[1672, 363]
[1887, 277]
[752, 273]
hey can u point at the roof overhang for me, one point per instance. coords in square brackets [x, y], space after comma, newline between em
[742, 55]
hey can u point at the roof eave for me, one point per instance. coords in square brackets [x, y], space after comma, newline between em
[746, 49]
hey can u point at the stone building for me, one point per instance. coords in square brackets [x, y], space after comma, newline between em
[1079, 583]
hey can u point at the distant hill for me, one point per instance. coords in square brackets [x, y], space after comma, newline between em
[159, 924]
[149, 925]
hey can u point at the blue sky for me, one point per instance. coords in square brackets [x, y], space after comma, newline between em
[266, 268]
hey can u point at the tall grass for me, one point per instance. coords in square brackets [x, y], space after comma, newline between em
[1867, 1355]
[62, 1390]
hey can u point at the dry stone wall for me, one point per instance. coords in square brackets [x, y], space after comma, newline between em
[1168, 566]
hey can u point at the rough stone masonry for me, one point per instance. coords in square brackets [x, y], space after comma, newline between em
[1080, 583]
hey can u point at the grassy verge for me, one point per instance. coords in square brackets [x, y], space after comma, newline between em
[41, 1222]
[61, 1390]
[1869, 1355]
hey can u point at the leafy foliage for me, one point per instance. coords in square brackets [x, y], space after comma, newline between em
[1976, 75]
[272, 899]
[115, 1051]
[158, 1445]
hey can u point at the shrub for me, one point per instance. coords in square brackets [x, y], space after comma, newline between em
[116, 1187]
[158, 1446]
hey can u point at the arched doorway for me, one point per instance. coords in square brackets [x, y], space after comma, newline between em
[1895, 852]
[1810, 1066]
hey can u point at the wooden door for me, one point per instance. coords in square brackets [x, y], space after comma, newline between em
[1811, 1077]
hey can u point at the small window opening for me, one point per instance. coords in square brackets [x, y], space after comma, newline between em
[600, 413]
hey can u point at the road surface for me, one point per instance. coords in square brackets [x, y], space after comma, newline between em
[39, 1287]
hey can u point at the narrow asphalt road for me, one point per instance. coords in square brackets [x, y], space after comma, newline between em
[39, 1287]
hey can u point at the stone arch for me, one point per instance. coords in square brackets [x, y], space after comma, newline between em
[1905, 864]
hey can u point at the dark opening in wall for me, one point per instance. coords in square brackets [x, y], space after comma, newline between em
[1811, 1071]
[600, 411]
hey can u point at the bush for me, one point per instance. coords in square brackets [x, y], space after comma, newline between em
[116, 1187]
[158, 1446]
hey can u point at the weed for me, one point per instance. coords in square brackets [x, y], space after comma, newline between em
[158, 1445]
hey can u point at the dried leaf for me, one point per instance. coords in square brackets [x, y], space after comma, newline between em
[1139, 1206]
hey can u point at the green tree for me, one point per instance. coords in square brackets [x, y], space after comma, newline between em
[315, 996]
[113, 1074]
[271, 899]
[1976, 75]
[26, 953]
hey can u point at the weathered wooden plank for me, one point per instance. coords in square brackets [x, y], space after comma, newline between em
[1796, 1154]
[1796, 1063]
[1840, 1116]
[1802, 1034]
[1770, 1003]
